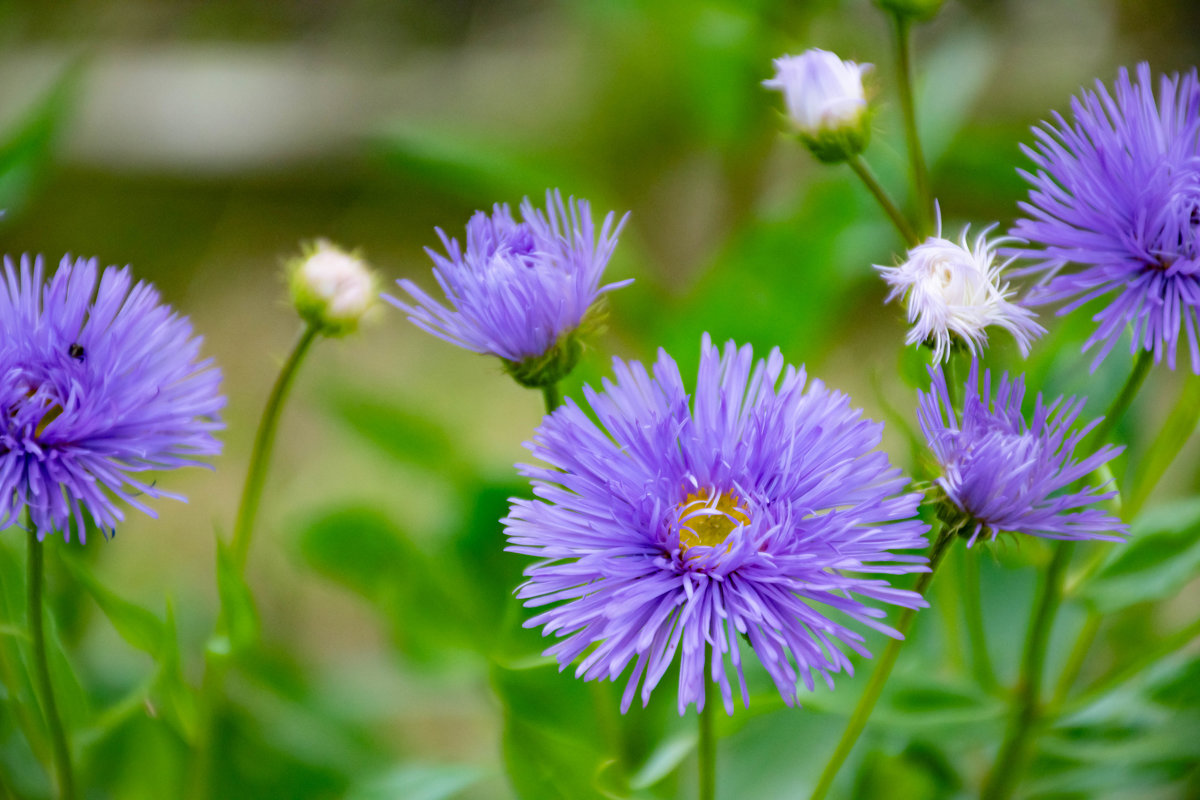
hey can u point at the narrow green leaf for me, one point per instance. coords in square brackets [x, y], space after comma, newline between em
[1163, 554]
[238, 612]
[1176, 431]
[139, 627]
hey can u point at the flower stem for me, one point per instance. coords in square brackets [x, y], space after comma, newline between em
[215, 668]
[866, 703]
[64, 776]
[1006, 772]
[981, 661]
[904, 70]
[551, 396]
[893, 211]
[264, 441]
[1124, 399]
[707, 752]
[1099, 436]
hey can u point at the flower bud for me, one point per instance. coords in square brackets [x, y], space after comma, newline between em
[330, 288]
[826, 102]
[912, 9]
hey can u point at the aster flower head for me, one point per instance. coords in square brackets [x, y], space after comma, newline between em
[1005, 474]
[521, 290]
[826, 102]
[954, 293]
[754, 512]
[331, 289]
[1114, 210]
[101, 382]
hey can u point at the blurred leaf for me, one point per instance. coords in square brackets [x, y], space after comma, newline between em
[400, 431]
[361, 549]
[418, 782]
[1163, 554]
[238, 614]
[1176, 431]
[664, 760]
[13, 630]
[1182, 690]
[552, 747]
[918, 771]
[177, 697]
[469, 167]
[139, 627]
[26, 150]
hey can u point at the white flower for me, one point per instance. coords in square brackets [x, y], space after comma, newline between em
[823, 93]
[331, 288]
[954, 290]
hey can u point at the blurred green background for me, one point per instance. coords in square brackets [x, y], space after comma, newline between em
[201, 141]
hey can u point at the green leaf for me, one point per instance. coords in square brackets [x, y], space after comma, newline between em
[1176, 431]
[362, 550]
[665, 759]
[139, 627]
[27, 148]
[238, 613]
[402, 432]
[1162, 555]
[552, 741]
[418, 782]
[177, 699]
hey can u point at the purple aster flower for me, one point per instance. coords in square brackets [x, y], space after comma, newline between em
[746, 518]
[1114, 208]
[100, 382]
[520, 290]
[1008, 475]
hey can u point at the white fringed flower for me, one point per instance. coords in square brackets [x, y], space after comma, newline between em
[953, 291]
[825, 100]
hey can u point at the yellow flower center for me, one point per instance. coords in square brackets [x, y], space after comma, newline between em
[706, 522]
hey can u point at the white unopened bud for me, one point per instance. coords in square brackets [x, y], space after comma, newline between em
[332, 289]
[953, 292]
[825, 100]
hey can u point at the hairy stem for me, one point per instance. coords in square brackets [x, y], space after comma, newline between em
[866, 703]
[64, 775]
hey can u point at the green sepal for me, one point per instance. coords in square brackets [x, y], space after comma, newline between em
[550, 367]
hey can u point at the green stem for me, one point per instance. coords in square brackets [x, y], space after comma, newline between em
[552, 397]
[64, 775]
[904, 70]
[264, 441]
[1124, 399]
[216, 665]
[866, 703]
[981, 661]
[707, 751]
[1006, 772]
[1146, 658]
[1098, 437]
[890, 208]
